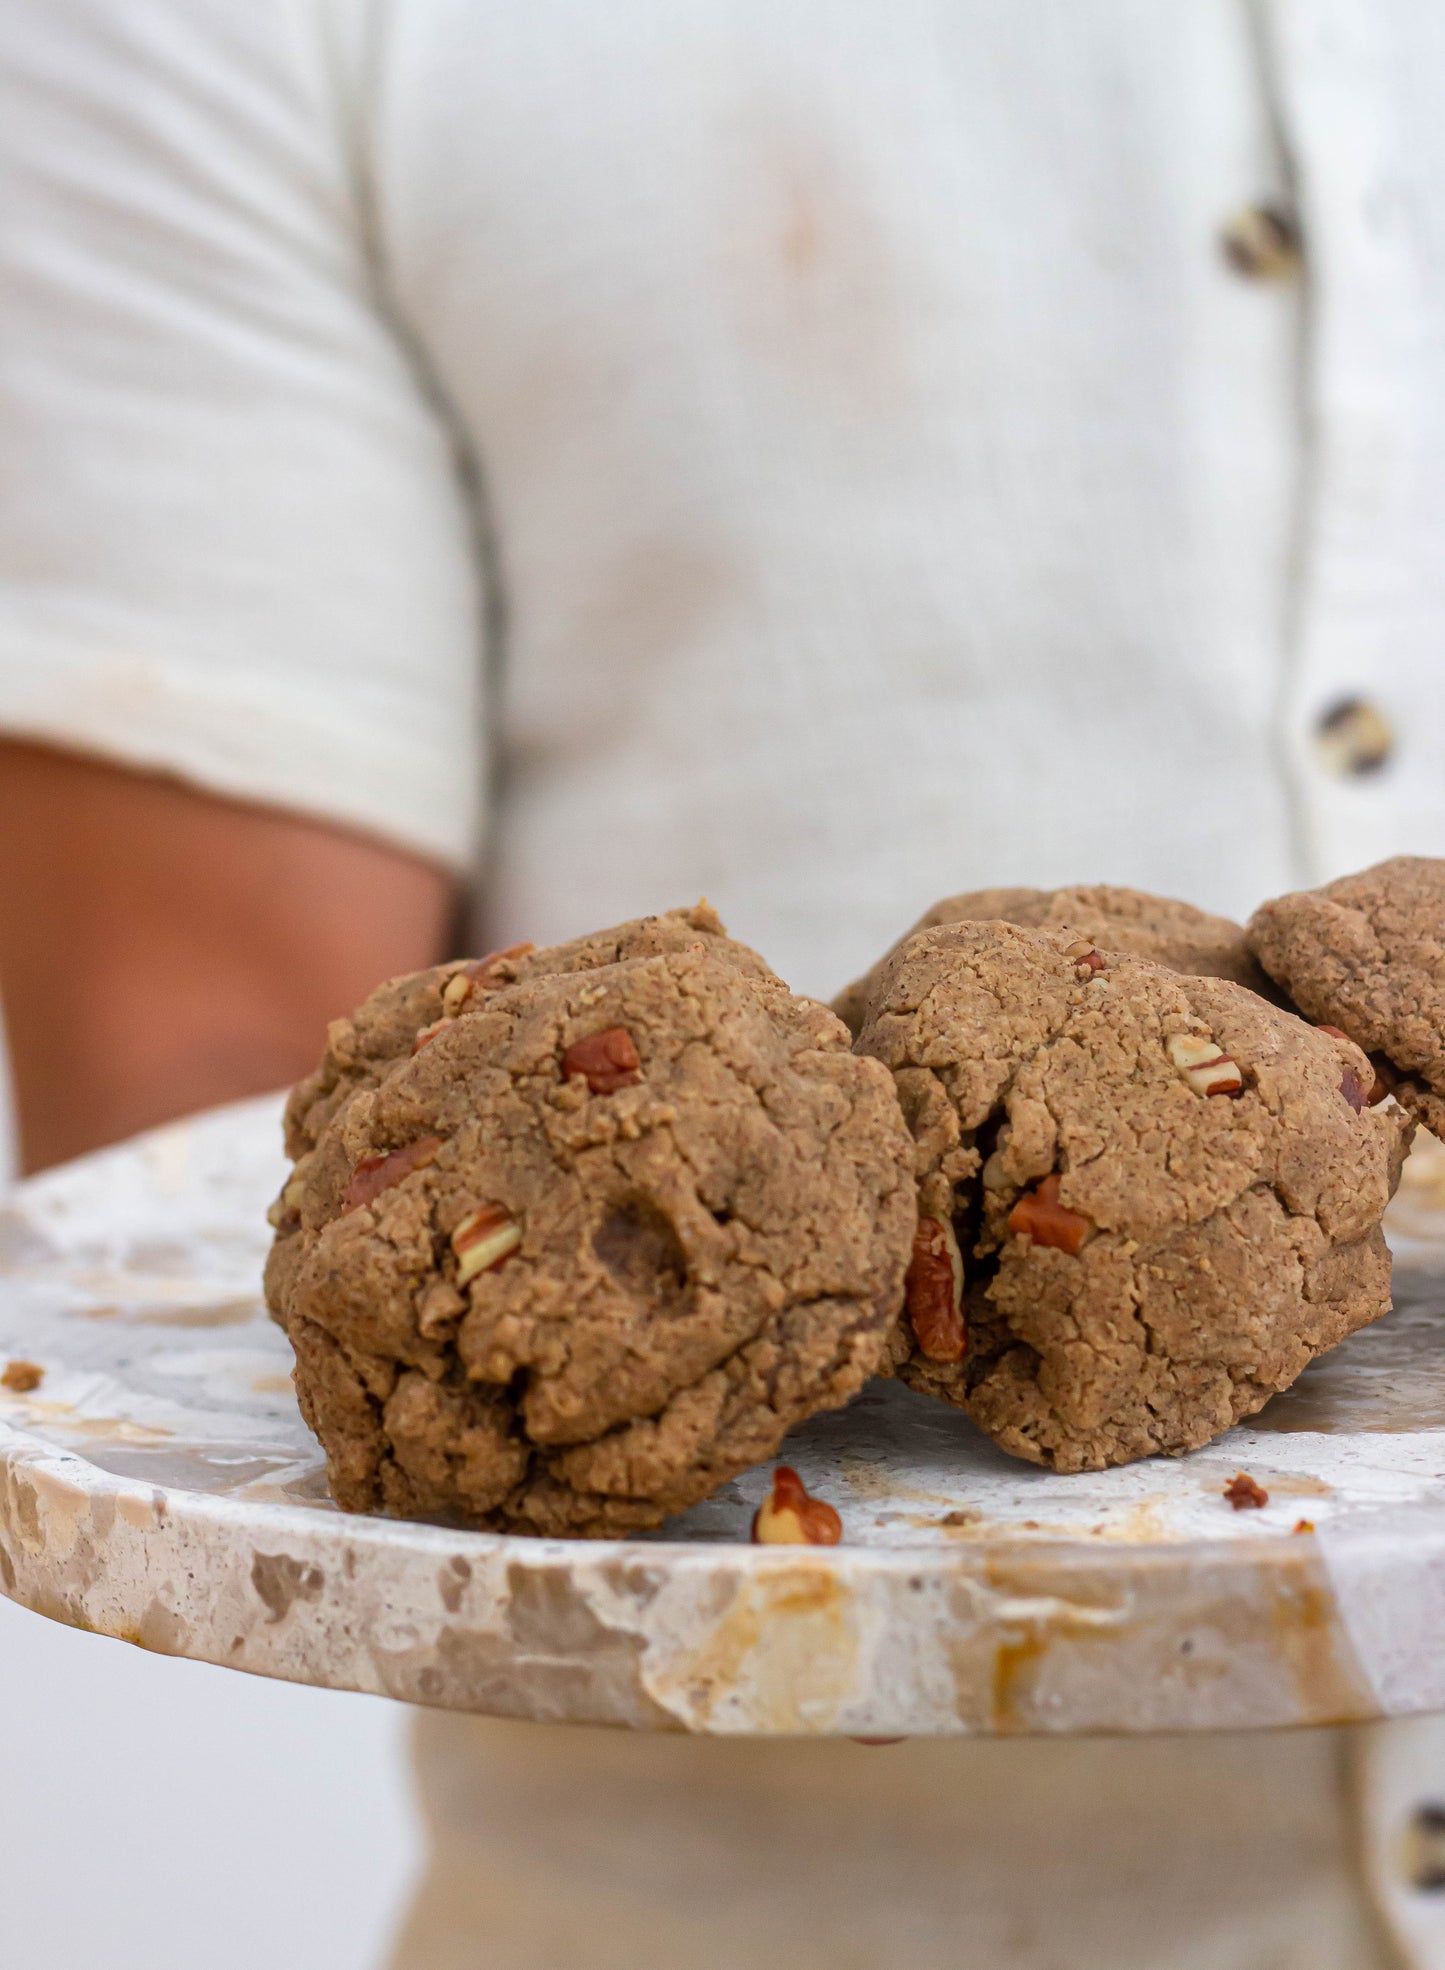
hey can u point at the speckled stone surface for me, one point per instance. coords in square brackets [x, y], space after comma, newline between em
[160, 1486]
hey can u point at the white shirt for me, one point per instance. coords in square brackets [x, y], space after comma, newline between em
[813, 452]
[889, 487]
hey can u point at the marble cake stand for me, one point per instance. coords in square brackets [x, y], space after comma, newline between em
[159, 1486]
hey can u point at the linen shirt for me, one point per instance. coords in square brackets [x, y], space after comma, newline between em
[804, 451]
[817, 453]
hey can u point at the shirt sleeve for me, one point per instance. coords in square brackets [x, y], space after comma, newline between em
[234, 542]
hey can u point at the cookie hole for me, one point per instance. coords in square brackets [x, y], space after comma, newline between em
[643, 1253]
[968, 1197]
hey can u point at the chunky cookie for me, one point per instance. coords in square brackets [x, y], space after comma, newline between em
[403, 1014]
[1155, 927]
[391, 1022]
[1147, 1200]
[595, 1246]
[1367, 954]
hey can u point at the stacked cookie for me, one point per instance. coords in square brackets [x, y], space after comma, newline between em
[573, 1236]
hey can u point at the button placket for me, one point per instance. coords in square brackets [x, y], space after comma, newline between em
[1355, 641]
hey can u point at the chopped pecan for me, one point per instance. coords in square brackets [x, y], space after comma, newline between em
[789, 1516]
[934, 1290]
[1039, 1215]
[608, 1060]
[427, 1034]
[1205, 1066]
[496, 968]
[1385, 1079]
[1087, 961]
[373, 1174]
[1245, 1495]
[1356, 1092]
[483, 1239]
[22, 1376]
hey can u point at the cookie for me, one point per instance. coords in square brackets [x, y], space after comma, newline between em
[1154, 927]
[1163, 1194]
[596, 1246]
[403, 1014]
[361, 1050]
[1367, 954]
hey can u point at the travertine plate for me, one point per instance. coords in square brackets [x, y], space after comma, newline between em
[160, 1486]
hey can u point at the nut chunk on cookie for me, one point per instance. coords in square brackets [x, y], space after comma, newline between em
[597, 1246]
[1366, 956]
[1165, 1199]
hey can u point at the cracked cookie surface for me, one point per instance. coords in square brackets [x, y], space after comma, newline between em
[1145, 1261]
[596, 1246]
[1159, 928]
[396, 1019]
[362, 1049]
[1367, 954]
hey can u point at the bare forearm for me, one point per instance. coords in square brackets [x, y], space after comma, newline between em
[162, 950]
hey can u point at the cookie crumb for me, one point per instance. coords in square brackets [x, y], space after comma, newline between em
[1303, 1525]
[22, 1376]
[1244, 1494]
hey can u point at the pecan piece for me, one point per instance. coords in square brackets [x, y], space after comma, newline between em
[1245, 1495]
[483, 1239]
[494, 969]
[1087, 961]
[427, 1034]
[608, 1060]
[789, 1516]
[1039, 1215]
[934, 1291]
[373, 1174]
[1384, 1081]
[1203, 1065]
[1359, 1095]
[22, 1376]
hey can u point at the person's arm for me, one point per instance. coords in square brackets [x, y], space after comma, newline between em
[162, 949]
[235, 551]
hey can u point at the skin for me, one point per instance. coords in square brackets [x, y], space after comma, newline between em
[162, 949]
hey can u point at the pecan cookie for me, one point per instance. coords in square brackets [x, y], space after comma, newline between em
[1366, 954]
[1166, 932]
[394, 1019]
[596, 1246]
[1147, 1199]
[404, 1014]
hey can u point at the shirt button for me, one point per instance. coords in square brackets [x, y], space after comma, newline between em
[1262, 242]
[1353, 737]
[1425, 1849]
